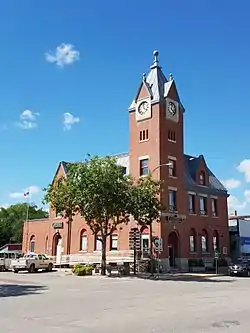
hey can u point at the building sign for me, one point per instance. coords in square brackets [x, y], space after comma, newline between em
[174, 218]
[57, 225]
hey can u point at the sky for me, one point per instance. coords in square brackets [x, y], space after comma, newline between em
[70, 69]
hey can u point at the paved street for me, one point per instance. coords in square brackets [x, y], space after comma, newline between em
[56, 302]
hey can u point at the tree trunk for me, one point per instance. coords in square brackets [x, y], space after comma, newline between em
[151, 249]
[69, 235]
[103, 265]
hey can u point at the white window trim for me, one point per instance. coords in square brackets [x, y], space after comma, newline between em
[146, 157]
[213, 197]
[191, 193]
[203, 195]
[172, 188]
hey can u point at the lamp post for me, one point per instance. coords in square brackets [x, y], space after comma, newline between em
[150, 226]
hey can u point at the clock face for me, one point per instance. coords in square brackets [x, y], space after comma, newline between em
[143, 108]
[172, 108]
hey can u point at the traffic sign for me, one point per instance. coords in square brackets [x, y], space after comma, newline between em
[216, 254]
[158, 244]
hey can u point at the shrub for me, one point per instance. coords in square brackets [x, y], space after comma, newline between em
[81, 270]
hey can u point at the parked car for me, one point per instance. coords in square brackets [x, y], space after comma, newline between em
[32, 263]
[6, 259]
[240, 268]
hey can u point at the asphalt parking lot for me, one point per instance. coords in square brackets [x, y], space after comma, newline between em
[58, 302]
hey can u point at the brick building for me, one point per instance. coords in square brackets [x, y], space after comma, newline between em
[196, 219]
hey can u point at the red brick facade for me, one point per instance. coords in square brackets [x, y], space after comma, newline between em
[200, 200]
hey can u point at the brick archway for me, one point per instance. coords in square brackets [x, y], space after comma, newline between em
[55, 241]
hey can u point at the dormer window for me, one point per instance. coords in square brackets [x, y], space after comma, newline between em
[202, 179]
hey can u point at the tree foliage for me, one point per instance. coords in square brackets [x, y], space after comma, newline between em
[12, 219]
[145, 205]
[103, 194]
[98, 189]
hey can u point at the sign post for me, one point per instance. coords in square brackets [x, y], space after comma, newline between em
[216, 257]
[158, 248]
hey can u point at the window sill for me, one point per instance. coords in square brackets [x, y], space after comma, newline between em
[205, 253]
[203, 215]
[172, 177]
[113, 250]
[192, 214]
[193, 253]
[83, 251]
[215, 216]
[172, 141]
[140, 141]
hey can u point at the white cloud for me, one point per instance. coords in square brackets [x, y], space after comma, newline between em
[65, 54]
[28, 119]
[6, 205]
[235, 204]
[69, 120]
[244, 167]
[33, 189]
[231, 183]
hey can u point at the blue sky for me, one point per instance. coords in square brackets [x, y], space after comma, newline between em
[82, 61]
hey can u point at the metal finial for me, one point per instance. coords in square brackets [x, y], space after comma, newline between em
[156, 55]
[171, 77]
[144, 76]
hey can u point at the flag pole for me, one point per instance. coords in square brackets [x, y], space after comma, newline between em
[27, 194]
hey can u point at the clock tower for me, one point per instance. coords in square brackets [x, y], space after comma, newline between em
[156, 142]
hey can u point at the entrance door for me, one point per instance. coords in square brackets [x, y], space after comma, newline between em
[173, 248]
[171, 256]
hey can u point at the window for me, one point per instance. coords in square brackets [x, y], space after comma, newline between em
[98, 243]
[214, 207]
[171, 136]
[83, 241]
[172, 201]
[113, 242]
[143, 135]
[203, 206]
[191, 203]
[144, 170]
[32, 244]
[204, 241]
[145, 244]
[215, 240]
[192, 241]
[202, 179]
[47, 244]
[172, 168]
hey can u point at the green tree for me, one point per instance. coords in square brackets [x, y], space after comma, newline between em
[61, 196]
[12, 220]
[145, 205]
[103, 196]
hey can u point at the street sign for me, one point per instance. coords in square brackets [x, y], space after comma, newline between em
[158, 244]
[216, 254]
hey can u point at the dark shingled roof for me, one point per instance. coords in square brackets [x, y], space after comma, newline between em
[191, 167]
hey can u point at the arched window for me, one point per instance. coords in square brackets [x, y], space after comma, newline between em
[192, 240]
[202, 178]
[215, 240]
[204, 241]
[114, 241]
[98, 243]
[145, 240]
[32, 243]
[83, 240]
[47, 244]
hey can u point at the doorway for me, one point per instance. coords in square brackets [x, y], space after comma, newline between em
[173, 248]
[57, 237]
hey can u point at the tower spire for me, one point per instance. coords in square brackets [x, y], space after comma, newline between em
[156, 61]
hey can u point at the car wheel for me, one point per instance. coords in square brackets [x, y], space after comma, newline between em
[16, 271]
[50, 267]
[32, 268]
